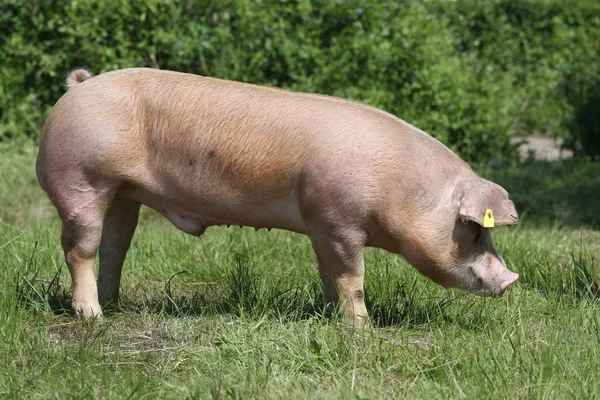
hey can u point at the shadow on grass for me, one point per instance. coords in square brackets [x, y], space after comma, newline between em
[567, 192]
[247, 293]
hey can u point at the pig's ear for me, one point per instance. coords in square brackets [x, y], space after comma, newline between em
[475, 196]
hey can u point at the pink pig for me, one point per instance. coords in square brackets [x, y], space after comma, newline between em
[205, 152]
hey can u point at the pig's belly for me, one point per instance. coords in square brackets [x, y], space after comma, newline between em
[193, 214]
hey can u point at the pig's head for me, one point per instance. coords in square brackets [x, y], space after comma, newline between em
[456, 249]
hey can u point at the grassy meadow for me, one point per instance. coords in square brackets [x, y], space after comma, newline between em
[237, 313]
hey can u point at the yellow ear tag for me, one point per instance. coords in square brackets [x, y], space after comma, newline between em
[488, 220]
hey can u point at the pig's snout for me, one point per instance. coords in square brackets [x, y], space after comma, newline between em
[509, 278]
[489, 280]
[496, 284]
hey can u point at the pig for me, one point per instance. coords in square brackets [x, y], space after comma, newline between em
[204, 152]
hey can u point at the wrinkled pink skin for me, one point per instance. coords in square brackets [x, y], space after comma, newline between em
[206, 152]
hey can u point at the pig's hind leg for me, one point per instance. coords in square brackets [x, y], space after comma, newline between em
[119, 226]
[81, 204]
[340, 253]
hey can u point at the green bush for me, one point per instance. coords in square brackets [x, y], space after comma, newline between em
[550, 49]
[471, 73]
[583, 94]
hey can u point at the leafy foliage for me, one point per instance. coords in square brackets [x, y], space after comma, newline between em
[471, 73]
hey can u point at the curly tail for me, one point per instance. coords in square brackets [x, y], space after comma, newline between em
[77, 76]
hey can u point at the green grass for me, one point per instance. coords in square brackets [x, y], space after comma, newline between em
[237, 314]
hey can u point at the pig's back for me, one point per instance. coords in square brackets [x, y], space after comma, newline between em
[208, 141]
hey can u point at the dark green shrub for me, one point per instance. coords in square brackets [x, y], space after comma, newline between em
[551, 51]
[583, 95]
[471, 73]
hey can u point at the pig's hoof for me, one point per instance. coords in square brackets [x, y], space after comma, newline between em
[87, 311]
[357, 321]
[109, 301]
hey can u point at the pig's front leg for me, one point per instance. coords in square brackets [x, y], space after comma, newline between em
[341, 265]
